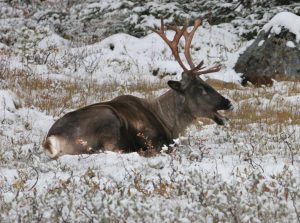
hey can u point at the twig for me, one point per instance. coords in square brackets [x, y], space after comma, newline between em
[37, 178]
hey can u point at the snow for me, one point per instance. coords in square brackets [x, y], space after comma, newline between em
[290, 44]
[213, 171]
[8, 103]
[8, 100]
[3, 46]
[52, 41]
[120, 53]
[261, 43]
[287, 20]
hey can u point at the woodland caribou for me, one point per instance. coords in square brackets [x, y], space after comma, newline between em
[129, 123]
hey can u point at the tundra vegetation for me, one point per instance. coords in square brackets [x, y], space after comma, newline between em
[246, 171]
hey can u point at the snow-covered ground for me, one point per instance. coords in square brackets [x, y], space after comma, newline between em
[247, 171]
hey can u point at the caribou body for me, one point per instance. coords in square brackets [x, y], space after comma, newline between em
[130, 124]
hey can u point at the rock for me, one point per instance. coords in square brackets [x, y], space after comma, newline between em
[275, 52]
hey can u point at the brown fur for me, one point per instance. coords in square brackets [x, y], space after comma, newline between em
[132, 124]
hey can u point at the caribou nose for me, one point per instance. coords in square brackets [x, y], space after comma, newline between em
[226, 104]
[231, 107]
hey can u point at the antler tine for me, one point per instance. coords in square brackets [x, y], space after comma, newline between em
[162, 26]
[210, 70]
[196, 70]
[188, 36]
[174, 43]
[172, 27]
[198, 67]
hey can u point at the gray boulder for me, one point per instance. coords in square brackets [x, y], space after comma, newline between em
[274, 53]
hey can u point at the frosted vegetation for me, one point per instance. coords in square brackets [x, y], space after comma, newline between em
[247, 171]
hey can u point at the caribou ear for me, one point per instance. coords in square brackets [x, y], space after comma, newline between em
[175, 85]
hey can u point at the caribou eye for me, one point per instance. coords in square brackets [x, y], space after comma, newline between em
[202, 91]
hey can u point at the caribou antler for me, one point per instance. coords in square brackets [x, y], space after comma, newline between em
[174, 43]
[188, 36]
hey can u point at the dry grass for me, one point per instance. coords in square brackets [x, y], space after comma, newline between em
[55, 97]
[283, 77]
[146, 88]
[221, 85]
[246, 112]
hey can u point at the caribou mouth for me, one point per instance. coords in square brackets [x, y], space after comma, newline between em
[220, 119]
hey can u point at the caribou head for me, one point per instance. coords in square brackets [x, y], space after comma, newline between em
[130, 124]
[201, 98]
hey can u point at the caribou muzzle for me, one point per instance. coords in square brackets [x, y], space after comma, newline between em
[224, 105]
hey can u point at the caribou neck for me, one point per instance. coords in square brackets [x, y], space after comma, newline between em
[172, 112]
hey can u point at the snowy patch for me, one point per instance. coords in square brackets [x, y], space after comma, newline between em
[8, 103]
[261, 43]
[226, 76]
[290, 44]
[3, 46]
[287, 20]
[53, 41]
[128, 59]
[38, 120]
[294, 100]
